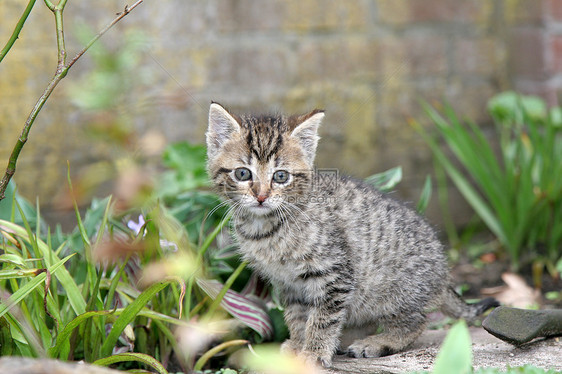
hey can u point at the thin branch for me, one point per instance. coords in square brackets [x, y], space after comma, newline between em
[62, 70]
[60, 38]
[16, 32]
[120, 16]
[50, 5]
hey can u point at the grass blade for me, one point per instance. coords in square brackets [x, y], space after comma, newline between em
[65, 333]
[29, 287]
[213, 351]
[425, 196]
[128, 315]
[129, 356]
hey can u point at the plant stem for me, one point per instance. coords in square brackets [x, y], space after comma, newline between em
[16, 32]
[62, 70]
[60, 39]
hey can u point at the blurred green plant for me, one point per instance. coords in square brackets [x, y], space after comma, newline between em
[518, 192]
[387, 180]
[62, 69]
[105, 304]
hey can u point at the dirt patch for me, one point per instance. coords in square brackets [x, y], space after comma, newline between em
[487, 351]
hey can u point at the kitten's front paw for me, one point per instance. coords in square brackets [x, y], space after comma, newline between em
[316, 359]
[365, 348]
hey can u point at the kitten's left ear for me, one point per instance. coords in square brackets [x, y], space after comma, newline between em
[222, 126]
[306, 132]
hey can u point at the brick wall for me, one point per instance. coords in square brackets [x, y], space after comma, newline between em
[535, 48]
[367, 62]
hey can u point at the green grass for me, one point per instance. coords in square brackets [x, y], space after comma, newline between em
[516, 191]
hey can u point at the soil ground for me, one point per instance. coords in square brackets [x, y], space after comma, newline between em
[488, 352]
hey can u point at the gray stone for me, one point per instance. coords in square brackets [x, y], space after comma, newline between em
[518, 326]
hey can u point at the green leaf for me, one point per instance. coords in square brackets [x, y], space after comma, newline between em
[29, 287]
[455, 355]
[7, 206]
[128, 315]
[386, 180]
[18, 273]
[129, 356]
[66, 280]
[64, 335]
[425, 196]
[213, 351]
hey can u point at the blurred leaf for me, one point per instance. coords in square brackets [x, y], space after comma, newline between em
[455, 355]
[7, 206]
[511, 107]
[515, 292]
[29, 287]
[556, 116]
[128, 315]
[425, 196]
[240, 307]
[213, 351]
[386, 180]
[185, 156]
[130, 356]
[188, 169]
[268, 359]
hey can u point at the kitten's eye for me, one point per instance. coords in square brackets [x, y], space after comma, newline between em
[280, 176]
[242, 174]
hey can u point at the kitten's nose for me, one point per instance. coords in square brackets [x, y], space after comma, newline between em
[261, 198]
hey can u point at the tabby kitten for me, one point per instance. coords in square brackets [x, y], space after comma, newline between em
[343, 255]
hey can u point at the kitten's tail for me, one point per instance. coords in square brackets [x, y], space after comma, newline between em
[454, 306]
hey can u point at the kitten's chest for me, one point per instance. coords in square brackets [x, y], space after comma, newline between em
[278, 257]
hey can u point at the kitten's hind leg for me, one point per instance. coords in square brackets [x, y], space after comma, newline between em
[398, 333]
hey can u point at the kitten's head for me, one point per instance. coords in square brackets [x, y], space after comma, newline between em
[261, 163]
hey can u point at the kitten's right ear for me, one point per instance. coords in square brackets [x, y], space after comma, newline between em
[222, 126]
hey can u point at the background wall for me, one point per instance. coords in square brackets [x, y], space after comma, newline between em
[367, 62]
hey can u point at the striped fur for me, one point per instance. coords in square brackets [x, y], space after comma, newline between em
[344, 256]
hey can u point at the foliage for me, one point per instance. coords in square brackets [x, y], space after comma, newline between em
[518, 193]
[125, 287]
[8, 209]
[62, 69]
[456, 353]
[63, 311]
[389, 179]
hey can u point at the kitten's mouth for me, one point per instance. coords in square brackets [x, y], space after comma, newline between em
[259, 209]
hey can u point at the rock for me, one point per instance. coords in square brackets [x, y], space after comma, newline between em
[24, 365]
[518, 326]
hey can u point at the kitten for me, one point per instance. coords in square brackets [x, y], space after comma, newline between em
[343, 255]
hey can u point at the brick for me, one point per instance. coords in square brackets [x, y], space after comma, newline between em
[325, 15]
[341, 58]
[524, 12]
[469, 98]
[548, 90]
[554, 10]
[479, 55]
[250, 15]
[252, 66]
[556, 53]
[527, 53]
[350, 130]
[425, 11]
[418, 54]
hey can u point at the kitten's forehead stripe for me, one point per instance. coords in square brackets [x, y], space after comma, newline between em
[264, 135]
